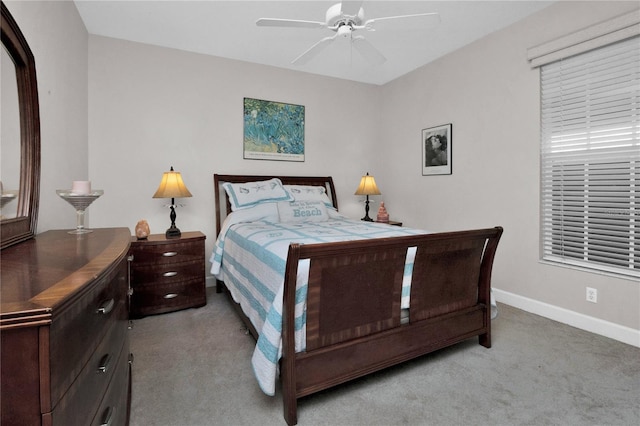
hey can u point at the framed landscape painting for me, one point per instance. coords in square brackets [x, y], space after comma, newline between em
[436, 150]
[273, 130]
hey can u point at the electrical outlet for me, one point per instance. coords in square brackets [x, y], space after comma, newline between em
[592, 295]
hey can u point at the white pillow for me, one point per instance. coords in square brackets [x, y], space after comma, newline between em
[302, 211]
[309, 193]
[249, 194]
[334, 214]
[266, 211]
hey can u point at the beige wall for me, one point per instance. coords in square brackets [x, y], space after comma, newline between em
[59, 42]
[121, 113]
[151, 108]
[490, 94]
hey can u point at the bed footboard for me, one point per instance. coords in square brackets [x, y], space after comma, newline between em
[353, 305]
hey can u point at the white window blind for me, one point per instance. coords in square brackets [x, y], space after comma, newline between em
[590, 159]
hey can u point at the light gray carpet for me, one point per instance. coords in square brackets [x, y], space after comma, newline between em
[193, 368]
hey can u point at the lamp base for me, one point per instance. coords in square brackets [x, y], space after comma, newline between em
[173, 232]
[366, 217]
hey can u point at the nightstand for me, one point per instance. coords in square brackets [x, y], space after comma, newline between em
[167, 274]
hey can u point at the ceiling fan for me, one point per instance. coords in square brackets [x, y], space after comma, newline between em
[344, 19]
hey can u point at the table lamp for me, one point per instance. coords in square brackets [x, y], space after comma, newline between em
[172, 187]
[367, 187]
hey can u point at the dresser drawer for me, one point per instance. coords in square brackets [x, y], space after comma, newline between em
[79, 405]
[164, 274]
[78, 330]
[167, 297]
[114, 408]
[172, 252]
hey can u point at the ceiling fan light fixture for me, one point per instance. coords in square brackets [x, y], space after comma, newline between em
[345, 30]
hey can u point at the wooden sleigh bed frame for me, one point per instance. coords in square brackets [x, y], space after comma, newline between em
[349, 336]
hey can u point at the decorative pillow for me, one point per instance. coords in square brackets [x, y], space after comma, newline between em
[243, 195]
[302, 211]
[309, 193]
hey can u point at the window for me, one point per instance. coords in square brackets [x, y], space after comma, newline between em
[590, 159]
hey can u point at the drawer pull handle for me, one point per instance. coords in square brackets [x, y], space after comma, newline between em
[105, 363]
[106, 307]
[107, 416]
[170, 295]
[170, 253]
[170, 274]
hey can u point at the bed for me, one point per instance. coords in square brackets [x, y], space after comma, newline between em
[330, 299]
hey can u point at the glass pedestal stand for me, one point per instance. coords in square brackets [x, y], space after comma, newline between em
[80, 203]
[7, 197]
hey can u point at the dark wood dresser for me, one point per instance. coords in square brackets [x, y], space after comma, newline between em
[64, 329]
[167, 274]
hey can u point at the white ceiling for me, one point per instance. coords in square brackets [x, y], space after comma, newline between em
[227, 29]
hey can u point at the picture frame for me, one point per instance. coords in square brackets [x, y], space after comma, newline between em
[436, 150]
[273, 130]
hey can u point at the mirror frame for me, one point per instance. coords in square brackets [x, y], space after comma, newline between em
[23, 226]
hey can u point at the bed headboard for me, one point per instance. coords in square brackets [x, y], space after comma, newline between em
[223, 207]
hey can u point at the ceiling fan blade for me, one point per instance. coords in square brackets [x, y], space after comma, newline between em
[313, 50]
[421, 19]
[367, 50]
[291, 23]
[351, 8]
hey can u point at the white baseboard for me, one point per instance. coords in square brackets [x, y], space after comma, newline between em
[614, 331]
[210, 281]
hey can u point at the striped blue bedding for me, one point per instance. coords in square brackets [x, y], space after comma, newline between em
[251, 257]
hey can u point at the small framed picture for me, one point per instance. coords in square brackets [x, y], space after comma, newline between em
[436, 150]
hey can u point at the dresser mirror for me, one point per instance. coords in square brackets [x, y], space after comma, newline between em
[20, 136]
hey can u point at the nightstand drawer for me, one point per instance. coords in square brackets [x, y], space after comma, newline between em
[153, 275]
[167, 253]
[168, 297]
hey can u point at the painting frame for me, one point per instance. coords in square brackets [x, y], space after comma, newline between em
[273, 130]
[437, 150]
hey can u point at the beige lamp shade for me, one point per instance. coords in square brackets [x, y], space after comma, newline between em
[367, 186]
[172, 186]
